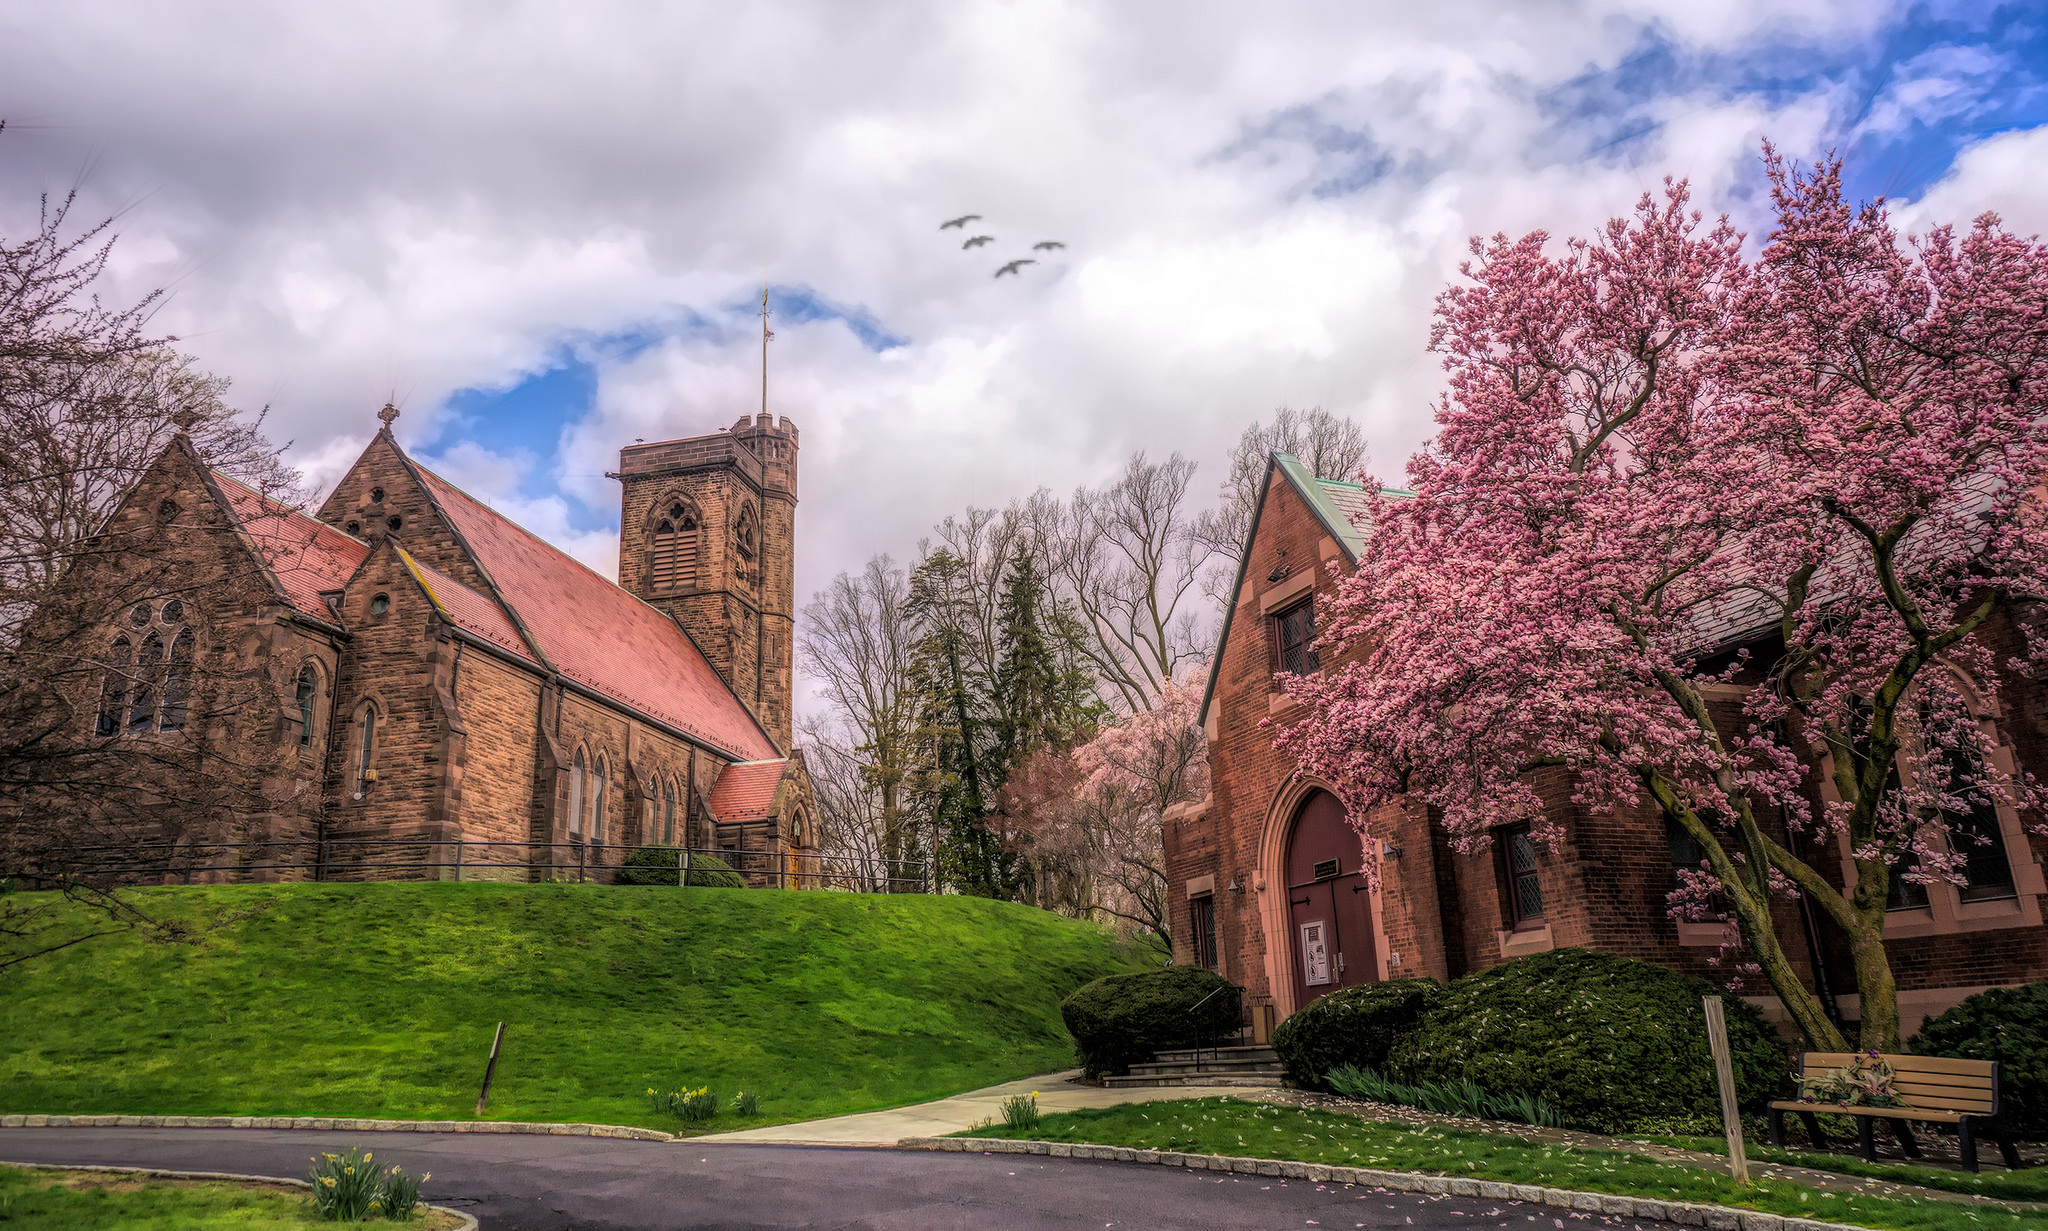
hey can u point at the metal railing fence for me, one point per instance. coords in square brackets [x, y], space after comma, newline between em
[426, 859]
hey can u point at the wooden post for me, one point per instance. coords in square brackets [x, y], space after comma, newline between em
[686, 865]
[490, 1069]
[1724, 1076]
[682, 869]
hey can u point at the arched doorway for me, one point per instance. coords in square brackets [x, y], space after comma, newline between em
[1329, 909]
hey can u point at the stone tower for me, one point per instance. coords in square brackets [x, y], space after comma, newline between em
[707, 533]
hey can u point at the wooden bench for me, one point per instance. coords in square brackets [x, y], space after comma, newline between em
[1935, 1090]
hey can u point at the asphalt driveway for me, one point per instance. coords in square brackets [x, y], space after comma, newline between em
[514, 1183]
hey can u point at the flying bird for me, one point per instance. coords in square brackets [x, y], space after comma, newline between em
[1015, 265]
[978, 241]
[1046, 245]
[961, 221]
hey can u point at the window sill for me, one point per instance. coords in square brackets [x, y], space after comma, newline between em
[1704, 935]
[1280, 701]
[1525, 942]
[1992, 916]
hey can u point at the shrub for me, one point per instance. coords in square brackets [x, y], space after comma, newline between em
[1610, 1042]
[656, 865]
[2009, 1025]
[746, 1103]
[1451, 1098]
[1121, 1020]
[1355, 1026]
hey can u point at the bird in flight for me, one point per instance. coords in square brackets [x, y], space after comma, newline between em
[961, 221]
[978, 241]
[1046, 245]
[1015, 265]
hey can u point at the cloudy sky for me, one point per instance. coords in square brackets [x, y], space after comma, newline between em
[545, 227]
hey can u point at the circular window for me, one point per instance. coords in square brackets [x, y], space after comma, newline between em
[354, 527]
[376, 495]
[139, 616]
[380, 604]
[167, 511]
[394, 521]
[174, 611]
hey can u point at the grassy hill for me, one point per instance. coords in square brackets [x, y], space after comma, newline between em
[380, 1000]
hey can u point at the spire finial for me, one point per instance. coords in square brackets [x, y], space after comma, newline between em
[388, 414]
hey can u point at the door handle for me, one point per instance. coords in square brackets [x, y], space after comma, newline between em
[1340, 961]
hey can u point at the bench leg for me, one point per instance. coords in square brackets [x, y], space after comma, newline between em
[1778, 1127]
[1904, 1130]
[1866, 1139]
[1813, 1133]
[2005, 1146]
[1966, 1137]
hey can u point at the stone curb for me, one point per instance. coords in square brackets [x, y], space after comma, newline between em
[469, 1222]
[331, 1123]
[1709, 1217]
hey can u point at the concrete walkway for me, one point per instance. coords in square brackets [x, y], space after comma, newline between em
[1056, 1092]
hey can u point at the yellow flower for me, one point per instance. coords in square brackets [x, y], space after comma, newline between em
[327, 1180]
[368, 1157]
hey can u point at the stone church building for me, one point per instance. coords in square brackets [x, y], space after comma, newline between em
[446, 691]
[1267, 873]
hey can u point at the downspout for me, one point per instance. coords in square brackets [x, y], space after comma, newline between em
[1823, 989]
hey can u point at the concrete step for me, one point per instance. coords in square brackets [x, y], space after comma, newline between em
[1247, 1052]
[1249, 1081]
[1186, 1067]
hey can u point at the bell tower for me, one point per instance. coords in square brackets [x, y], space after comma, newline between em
[707, 533]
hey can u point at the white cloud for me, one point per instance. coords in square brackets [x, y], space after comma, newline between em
[2003, 174]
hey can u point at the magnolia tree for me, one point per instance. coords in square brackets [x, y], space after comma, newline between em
[1695, 522]
[1087, 822]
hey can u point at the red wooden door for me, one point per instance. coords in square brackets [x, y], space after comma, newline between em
[1328, 910]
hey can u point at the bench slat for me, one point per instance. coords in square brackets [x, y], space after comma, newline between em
[1889, 1113]
[1809, 1061]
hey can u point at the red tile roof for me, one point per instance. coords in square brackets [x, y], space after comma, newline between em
[476, 612]
[307, 556]
[597, 634]
[745, 791]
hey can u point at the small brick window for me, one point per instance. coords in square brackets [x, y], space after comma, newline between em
[1202, 930]
[1521, 887]
[1294, 631]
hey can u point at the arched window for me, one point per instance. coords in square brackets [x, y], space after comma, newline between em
[576, 790]
[748, 535]
[308, 692]
[177, 683]
[672, 550]
[600, 780]
[114, 692]
[142, 708]
[366, 748]
[668, 811]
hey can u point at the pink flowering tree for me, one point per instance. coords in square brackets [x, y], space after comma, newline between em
[1694, 522]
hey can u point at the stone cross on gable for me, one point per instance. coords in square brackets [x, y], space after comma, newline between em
[388, 414]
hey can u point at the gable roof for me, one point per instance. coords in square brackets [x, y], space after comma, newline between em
[578, 622]
[304, 555]
[1337, 505]
[745, 791]
[469, 609]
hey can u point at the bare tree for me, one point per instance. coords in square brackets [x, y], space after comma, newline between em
[1124, 559]
[1331, 447]
[856, 643]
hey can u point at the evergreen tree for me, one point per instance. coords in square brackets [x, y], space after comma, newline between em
[950, 738]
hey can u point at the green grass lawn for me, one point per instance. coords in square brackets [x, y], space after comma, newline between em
[1235, 1127]
[2030, 1184]
[380, 1000]
[100, 1201]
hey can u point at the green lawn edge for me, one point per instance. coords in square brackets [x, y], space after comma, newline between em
[379, 1002]
[45, 1198]
[1261, 1130]
[2030, 1184]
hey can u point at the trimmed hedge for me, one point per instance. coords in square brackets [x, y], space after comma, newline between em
[1609, 1041]
[656, 865]
[1121, 1020]
[2009, 1025]
[1357, 1026]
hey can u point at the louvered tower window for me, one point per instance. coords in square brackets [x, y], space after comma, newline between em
[672, 555]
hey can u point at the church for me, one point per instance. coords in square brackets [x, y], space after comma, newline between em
[1268, 874]
[442, 694]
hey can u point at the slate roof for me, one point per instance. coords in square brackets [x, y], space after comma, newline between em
[745, 791]
[594, 633]
[469, 609]
[306, 556]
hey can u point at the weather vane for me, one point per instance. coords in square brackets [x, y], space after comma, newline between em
[766, 335]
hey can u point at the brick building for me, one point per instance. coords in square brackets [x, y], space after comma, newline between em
[1269, 874]
[435, 674]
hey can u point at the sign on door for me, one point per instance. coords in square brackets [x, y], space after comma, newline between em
[1315, 954]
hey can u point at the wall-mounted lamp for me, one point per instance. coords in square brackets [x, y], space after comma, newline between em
[1234, 886]
[1393, 852]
